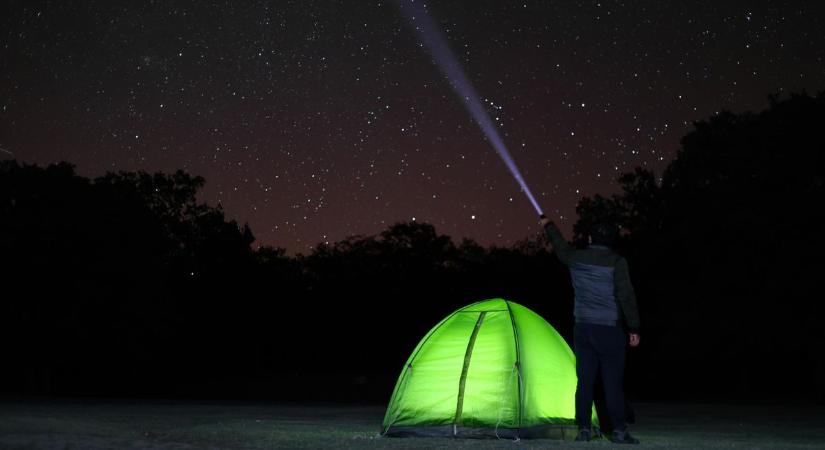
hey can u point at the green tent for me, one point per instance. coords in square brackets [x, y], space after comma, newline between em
[493, 368]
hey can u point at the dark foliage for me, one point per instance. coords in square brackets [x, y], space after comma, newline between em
[112, 285]
[127, 285]
[726, 252]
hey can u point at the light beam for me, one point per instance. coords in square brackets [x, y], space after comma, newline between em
[435, 42]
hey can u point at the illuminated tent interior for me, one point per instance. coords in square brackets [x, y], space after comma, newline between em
[491, 369]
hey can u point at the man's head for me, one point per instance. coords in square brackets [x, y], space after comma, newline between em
[604, 233]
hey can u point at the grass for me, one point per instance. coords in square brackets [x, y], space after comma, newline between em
[167, 425]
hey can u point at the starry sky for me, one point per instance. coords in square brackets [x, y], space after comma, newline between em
[317, 120]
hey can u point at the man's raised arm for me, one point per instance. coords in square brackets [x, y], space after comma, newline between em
[560, 245]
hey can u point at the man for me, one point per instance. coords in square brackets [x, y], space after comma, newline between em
[604, 298]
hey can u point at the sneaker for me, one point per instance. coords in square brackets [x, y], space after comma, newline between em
[584, 436]
[624, 437]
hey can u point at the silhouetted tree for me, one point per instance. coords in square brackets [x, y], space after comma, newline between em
[103, 276]
[725, 252]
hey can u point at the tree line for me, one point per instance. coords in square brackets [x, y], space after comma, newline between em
[127, 285]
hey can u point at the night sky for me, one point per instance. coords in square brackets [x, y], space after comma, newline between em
[317, 120]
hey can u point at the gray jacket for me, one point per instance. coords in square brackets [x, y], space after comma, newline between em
[601, 282]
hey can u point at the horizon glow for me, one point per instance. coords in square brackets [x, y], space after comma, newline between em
[435, 42]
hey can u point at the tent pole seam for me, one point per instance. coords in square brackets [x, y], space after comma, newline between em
[518, 364]
[468, 354]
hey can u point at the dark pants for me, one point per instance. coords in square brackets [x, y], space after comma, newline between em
[600, 349]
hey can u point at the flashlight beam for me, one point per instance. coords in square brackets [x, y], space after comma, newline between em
[435, 42]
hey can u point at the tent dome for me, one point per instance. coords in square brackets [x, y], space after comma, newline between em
[493, 368]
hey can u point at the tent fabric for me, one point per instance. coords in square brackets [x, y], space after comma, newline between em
[493, 368]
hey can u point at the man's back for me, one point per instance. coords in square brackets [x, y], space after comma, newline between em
[601, 282]
[593, 274]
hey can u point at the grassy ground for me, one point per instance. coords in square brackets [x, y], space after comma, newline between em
[157, 425]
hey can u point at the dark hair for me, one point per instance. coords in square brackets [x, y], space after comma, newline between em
[604, 233]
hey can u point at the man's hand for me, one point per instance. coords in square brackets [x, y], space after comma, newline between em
[634, 339]
[544, 221]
